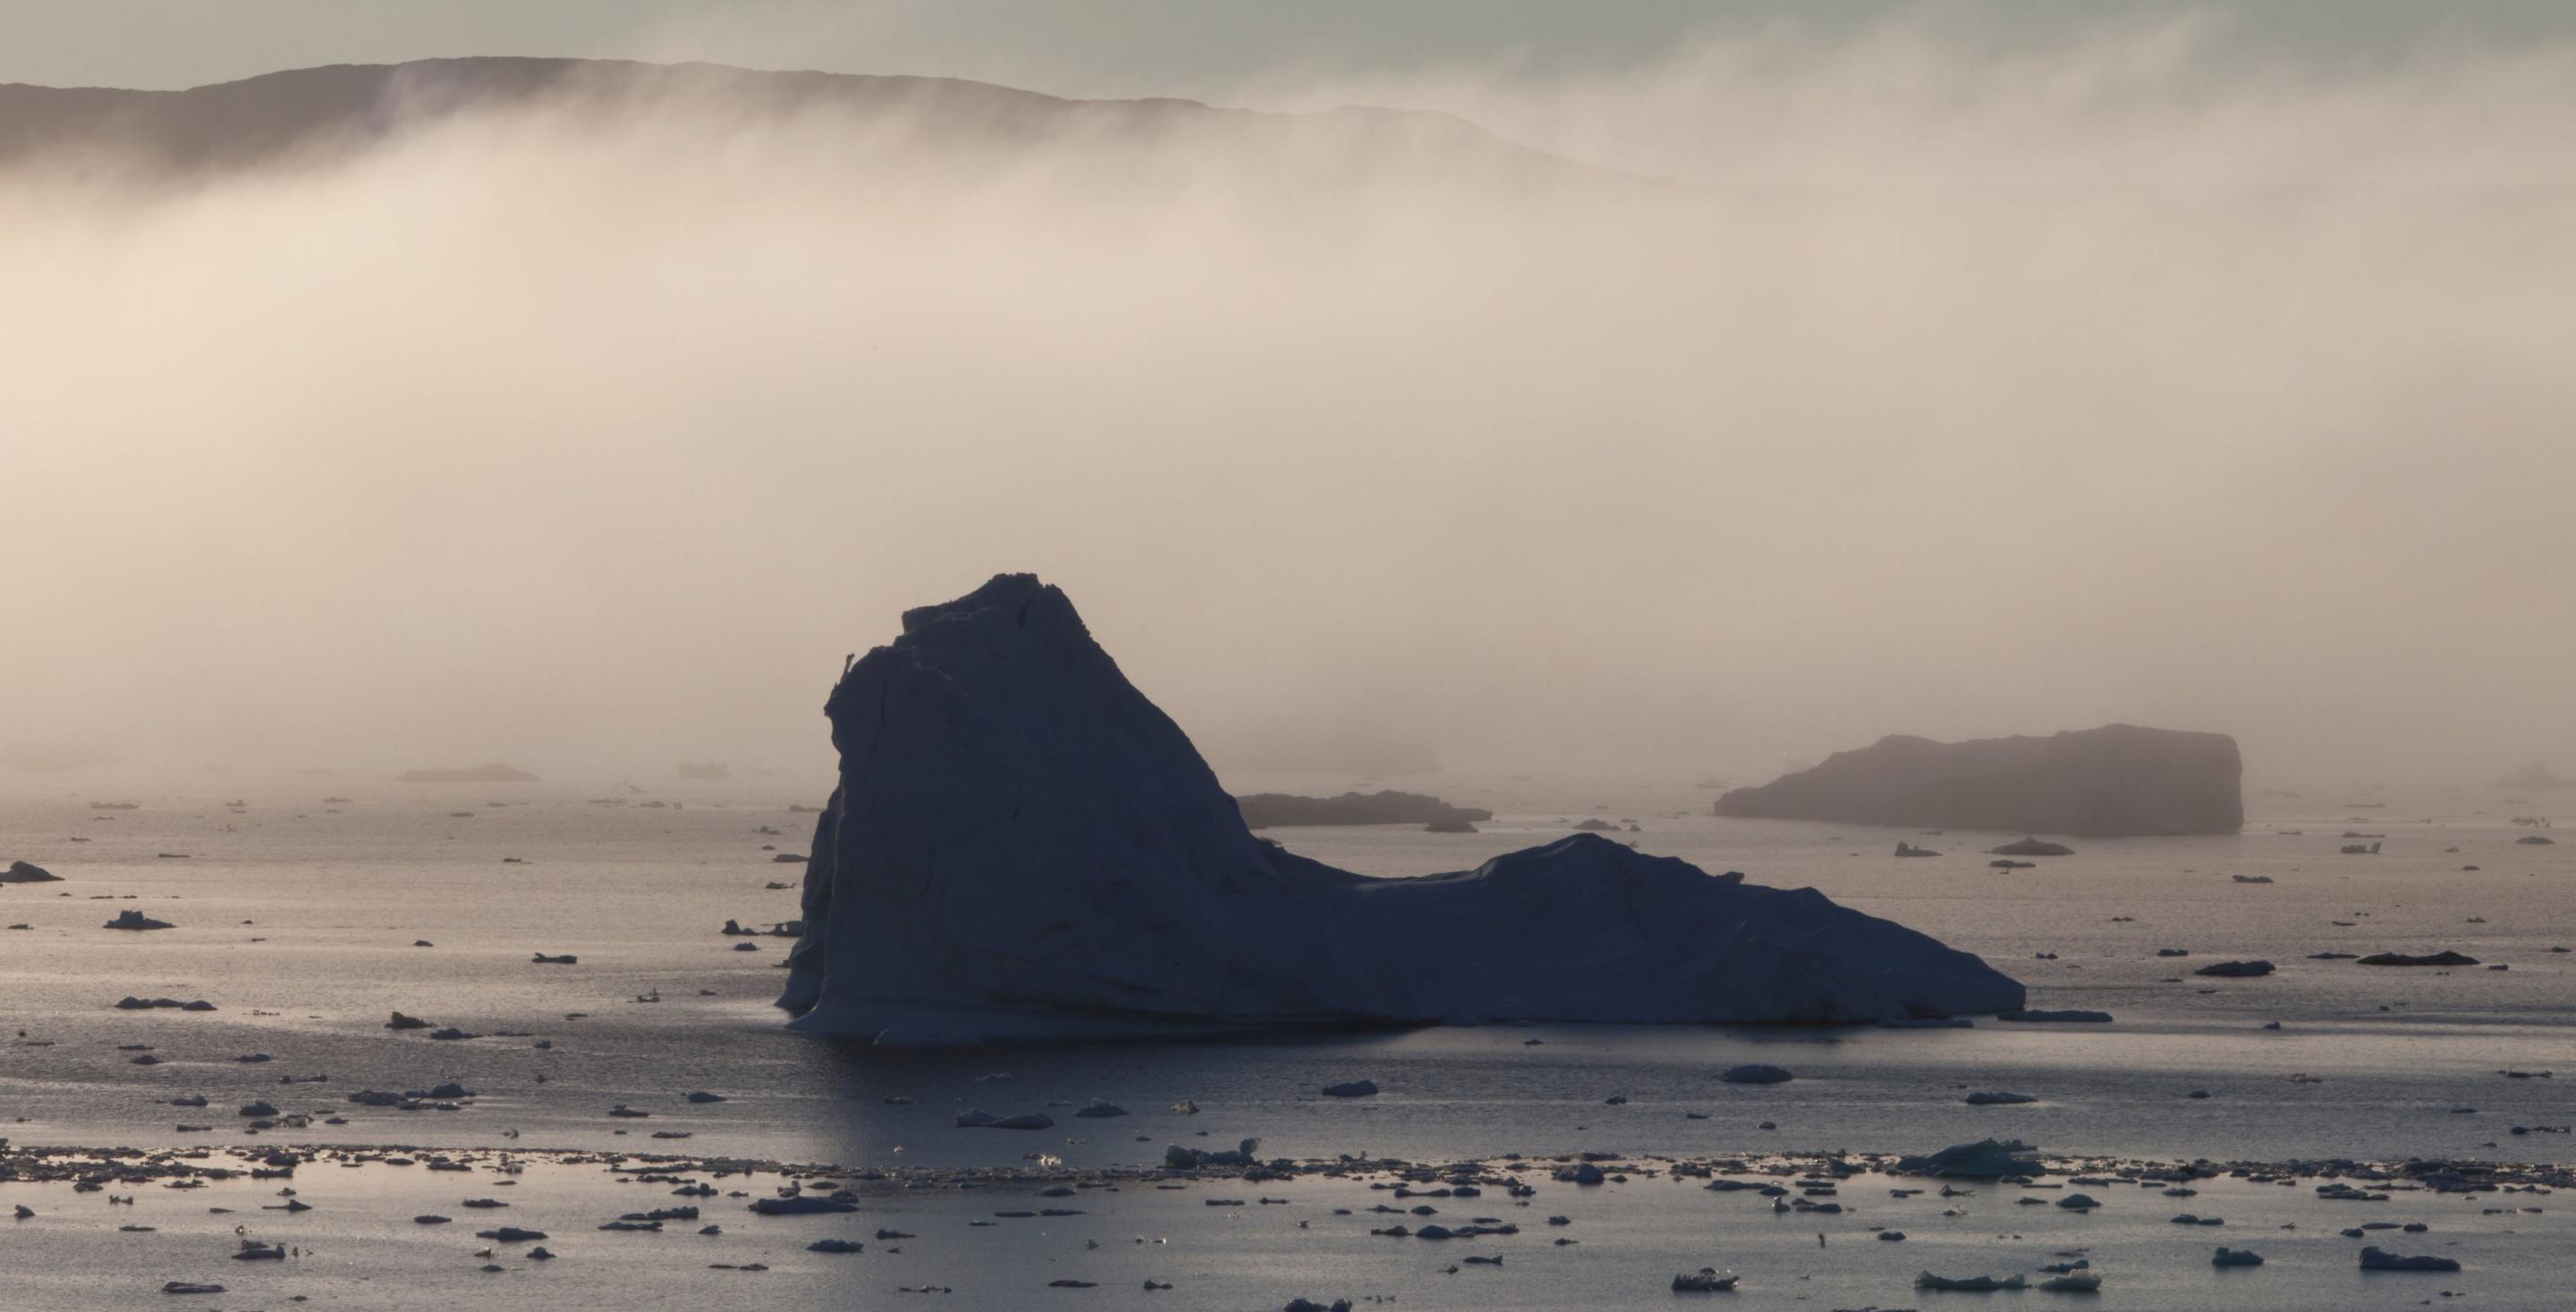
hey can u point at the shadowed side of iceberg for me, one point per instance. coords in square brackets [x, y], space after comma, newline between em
[1585, 929]
[1022, 845]
[1018, 827]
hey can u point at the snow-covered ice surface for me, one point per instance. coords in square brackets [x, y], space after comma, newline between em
[337, 899]
[1023, 844]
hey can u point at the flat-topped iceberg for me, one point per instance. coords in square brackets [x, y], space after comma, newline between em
[2108, 782]
[1023, 846]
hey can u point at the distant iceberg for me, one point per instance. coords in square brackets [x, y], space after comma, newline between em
[490, 773]
[1266, 810]
[1023, 846]
[2118, 780]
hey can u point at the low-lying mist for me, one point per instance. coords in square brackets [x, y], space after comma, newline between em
[1994, 397]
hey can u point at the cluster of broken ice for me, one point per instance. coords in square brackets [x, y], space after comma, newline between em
[1022, 845]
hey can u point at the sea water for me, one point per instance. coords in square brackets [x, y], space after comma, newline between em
[299, 918]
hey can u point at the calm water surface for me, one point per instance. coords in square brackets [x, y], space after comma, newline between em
[298, 920]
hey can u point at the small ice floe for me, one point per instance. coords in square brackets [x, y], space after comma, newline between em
[1756, 1073]
[137, 920]
[1998, 1098]
[566, 959]
[1351, 1089]
[2031, 847]
[2235, 1257]
[1098, 1109]
[1968, 1284]
[1186, 1158]
[2443, 958]
[2081, 1282]
[803, 1205]
[981, 1120]
[1986, 1159]
[1706, 1280]
[189, 1287]
[2067, 1016]
[2374, 1259]
[2236, 969]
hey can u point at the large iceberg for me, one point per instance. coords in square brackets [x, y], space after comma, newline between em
[1023, 846]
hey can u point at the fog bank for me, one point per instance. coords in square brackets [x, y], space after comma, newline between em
[1822, 391]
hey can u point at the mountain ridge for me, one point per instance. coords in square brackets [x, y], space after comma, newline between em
[331, 111]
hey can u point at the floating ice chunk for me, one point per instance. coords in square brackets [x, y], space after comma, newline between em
[1756, 1073]
[1969, 1284]
[2236, 969]
[978, 1120]
[1986, 1159]
[2373, 1259]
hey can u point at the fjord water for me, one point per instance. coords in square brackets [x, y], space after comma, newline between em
[298, 920]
